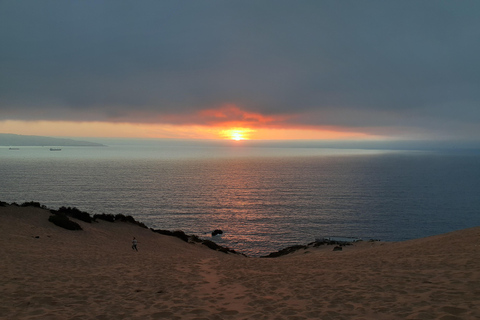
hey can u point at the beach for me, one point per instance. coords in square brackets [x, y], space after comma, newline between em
[47, 272]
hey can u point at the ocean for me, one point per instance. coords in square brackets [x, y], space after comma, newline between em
[263, 198]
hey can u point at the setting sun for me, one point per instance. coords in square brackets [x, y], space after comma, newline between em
[236, 134]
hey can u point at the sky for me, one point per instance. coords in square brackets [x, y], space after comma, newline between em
[319, 70]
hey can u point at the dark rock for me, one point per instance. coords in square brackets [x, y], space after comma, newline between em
[337, 248]
[216, 232]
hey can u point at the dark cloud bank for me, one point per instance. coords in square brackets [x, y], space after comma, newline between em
[379, 66]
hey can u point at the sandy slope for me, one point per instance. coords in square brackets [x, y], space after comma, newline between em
[94, 274]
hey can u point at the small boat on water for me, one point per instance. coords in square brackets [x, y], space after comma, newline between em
[13, 148]
[55, 149]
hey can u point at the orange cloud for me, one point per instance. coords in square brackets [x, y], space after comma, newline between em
[232, 115]
[231, 122]
[308, 134]
[226, 122]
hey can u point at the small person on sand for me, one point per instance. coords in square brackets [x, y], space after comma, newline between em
[134, 244]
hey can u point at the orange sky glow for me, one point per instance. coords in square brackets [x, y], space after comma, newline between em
[228, 122]
[135, 130]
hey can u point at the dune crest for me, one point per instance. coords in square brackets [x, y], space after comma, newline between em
[47, 272]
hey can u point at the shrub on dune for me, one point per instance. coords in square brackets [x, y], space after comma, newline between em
[180, 234]
[62, 221]
[76, 213]
[130, 219]
[105, 217]
[33, 204]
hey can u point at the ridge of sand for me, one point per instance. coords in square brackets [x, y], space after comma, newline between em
[94, 274]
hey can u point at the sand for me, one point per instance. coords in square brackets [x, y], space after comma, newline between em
[47, 272]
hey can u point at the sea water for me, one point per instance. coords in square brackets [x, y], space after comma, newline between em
[264, 199]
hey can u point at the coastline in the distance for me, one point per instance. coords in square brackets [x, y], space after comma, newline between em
[9, 140]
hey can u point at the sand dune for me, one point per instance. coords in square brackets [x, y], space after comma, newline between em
[47, 272]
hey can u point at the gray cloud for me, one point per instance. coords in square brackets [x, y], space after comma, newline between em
[370, 64]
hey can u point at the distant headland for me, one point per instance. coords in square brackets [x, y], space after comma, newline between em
[7, 139]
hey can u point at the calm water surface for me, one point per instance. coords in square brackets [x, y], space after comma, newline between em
[264, 199]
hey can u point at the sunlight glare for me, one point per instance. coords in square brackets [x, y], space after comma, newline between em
[236, 134]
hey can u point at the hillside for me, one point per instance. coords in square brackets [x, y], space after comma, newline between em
[47, 272]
